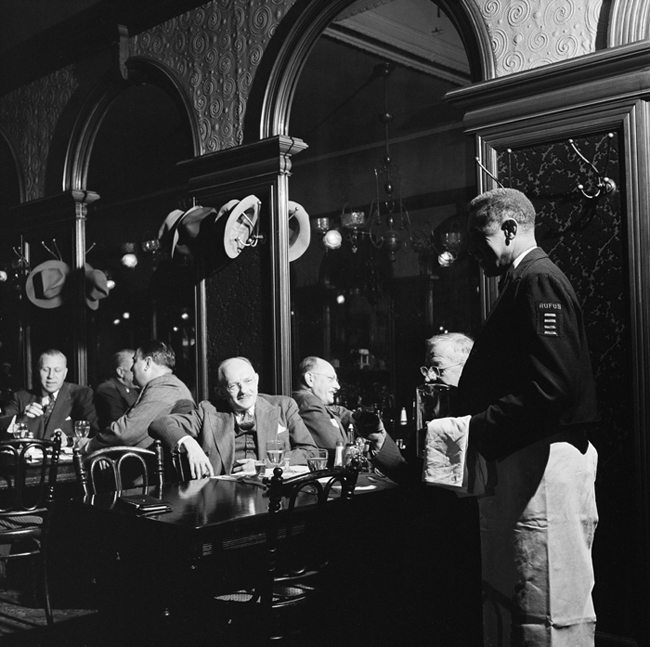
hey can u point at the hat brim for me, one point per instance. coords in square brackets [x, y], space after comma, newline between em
[299, 237]
[195, 213]
[30, 290]
[93, 304]
[240, 225]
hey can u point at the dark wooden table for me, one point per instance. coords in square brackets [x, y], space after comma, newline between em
[164, 567]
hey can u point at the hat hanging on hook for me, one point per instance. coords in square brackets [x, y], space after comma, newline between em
[240, 219]
[299, 231]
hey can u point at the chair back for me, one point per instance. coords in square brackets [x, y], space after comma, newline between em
[296, 544]
[28, 468]
[119, 468]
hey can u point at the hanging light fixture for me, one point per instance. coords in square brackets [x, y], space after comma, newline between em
[388, 225]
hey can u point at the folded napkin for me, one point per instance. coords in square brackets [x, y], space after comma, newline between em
[449, 462]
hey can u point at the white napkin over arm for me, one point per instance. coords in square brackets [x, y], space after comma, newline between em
[448, 460]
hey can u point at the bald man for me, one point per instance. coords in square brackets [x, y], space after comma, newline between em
[230, 441]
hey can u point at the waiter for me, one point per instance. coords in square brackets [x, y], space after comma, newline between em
[529, 388]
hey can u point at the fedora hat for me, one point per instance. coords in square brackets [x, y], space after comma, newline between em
[166, 231]
[241, 218]
[45, 283]
[96, 286]
[186, 230]
[299, 231]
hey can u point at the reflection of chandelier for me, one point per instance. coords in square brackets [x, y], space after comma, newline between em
[388, 225]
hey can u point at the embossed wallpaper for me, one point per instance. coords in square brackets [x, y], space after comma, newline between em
[525, 34]
[214, 50]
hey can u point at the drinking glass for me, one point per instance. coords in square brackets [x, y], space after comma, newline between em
[318, 460]
[275, 452]
[81, 428]
[260, 469]
[20, 430]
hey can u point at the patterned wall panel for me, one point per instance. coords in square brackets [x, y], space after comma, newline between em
[29, 116]
[215, 50]
[531, 33]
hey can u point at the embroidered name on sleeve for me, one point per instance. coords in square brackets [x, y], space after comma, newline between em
[549, 319]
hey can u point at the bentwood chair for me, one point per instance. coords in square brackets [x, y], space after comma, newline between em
[28, 469]
[118, 468]
[305, 527]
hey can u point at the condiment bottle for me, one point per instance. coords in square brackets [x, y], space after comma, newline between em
[338, 453]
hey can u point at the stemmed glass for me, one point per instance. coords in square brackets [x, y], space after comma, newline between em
[81, 429]
[275, 452]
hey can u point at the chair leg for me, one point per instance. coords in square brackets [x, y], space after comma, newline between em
[46, 590]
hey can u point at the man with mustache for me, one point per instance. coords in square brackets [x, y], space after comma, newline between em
[230, 441]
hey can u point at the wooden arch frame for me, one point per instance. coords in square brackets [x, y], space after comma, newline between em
[96, 105]
[275, 84]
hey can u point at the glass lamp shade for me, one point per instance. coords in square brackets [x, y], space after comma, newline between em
[352, 219]
[332, 239]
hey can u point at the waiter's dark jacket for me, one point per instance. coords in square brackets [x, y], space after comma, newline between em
[529, 375]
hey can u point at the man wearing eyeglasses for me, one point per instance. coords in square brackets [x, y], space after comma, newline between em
[446, 355]
[327, 422]
[230, 441]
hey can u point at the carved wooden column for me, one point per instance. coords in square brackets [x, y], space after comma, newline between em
[261, 168]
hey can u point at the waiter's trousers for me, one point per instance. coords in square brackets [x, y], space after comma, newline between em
[536, 537]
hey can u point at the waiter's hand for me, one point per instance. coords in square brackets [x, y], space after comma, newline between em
[33, 410]
[198, 462]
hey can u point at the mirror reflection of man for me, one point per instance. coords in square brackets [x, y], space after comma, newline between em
[162, 392]
[117, 394]
[54, 403]
[230, 441]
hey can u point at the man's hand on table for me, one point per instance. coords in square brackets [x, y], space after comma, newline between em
[244, 465]
[198, 462]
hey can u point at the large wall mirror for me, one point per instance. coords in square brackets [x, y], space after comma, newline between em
[387, 265]
[142, 137]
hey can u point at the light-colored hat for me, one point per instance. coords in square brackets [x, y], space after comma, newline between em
[299, 231]
[96, 286]
[241, 218]
[45, 283]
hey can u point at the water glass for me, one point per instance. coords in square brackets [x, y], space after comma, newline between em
[260, 469]
[318, 460]
[81, 428]
[275, 452]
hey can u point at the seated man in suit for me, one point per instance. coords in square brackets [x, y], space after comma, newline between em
[161, 393]
[223, 442]
[117, 394]
[327, 422]
[54, 404]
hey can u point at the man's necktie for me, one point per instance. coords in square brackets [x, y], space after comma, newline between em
[48, 403]
[245, 423]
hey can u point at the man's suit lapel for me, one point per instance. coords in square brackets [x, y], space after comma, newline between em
[267, 420]
[223, 430]
[335, 415]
